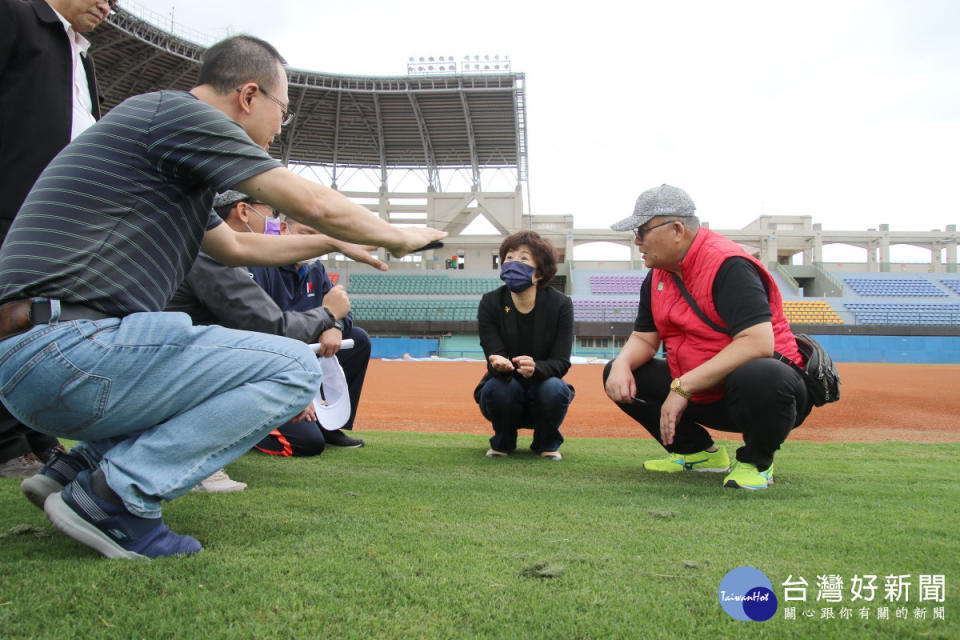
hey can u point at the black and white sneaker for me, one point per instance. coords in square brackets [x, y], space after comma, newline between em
[339, 439]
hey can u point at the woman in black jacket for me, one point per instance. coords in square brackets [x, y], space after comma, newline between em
[526, 332]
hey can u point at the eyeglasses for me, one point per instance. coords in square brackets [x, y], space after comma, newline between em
[640, 233]
[252, 203]
[288, 115]
[273, 212]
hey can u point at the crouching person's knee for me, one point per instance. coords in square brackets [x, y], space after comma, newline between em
[299, 379]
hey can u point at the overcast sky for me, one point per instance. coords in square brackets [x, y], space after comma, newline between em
[847, 111]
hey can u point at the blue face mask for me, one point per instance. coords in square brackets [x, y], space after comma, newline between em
[518, 276]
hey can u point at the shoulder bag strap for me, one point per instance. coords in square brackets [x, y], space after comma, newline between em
[696, 308]
[713, 325]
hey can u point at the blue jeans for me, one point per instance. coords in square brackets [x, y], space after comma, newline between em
[160, 403]
[541, 404]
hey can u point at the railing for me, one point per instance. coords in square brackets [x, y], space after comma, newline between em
[787, 278]
[836, 288]
[166, 23]
[925, 318]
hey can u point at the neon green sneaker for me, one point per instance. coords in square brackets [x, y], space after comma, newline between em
[746, 476]
[716, 462]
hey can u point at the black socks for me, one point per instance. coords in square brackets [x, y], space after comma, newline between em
[102, 490]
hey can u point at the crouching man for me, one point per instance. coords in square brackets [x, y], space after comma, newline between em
[720, 315]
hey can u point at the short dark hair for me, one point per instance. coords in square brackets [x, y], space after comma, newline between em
[224, 210]
[541, 248]
[240, 59]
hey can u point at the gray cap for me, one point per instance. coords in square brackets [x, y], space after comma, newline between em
[228, 198]
[659, 201]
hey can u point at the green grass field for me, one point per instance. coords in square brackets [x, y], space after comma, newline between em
[420, 536]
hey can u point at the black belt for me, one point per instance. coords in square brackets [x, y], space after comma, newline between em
[22, 315]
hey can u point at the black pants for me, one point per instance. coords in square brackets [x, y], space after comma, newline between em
[17, 439]
[305, 438]
[764, 399]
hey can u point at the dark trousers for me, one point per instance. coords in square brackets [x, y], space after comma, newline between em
[17, 439]
[304, 438]
[540, 405]
[764, 399]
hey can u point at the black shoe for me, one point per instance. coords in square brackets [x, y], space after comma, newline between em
[339, 439]
[47, 454]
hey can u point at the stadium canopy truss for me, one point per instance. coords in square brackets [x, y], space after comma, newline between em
[468, 123]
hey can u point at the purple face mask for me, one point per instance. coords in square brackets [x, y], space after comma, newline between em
[271, 226]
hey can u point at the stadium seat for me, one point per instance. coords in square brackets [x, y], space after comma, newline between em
[895, 287]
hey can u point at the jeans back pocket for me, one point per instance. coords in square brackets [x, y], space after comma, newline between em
[52, 395]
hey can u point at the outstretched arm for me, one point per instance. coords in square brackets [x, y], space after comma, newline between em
[332, 213]
[235, 249]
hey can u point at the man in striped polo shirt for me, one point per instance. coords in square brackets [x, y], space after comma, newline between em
[101, 243]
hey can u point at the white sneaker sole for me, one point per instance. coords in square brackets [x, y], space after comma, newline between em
[73, 526]
[37, 488]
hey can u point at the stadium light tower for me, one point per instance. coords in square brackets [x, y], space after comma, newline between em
[475, 64]
[431, 65]
[485, 64]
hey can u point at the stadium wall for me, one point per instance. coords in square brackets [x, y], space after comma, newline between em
[462, 345]
[414, 347]
[903, 349]
[892, 349]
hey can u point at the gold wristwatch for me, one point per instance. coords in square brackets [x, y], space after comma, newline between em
[677, 388]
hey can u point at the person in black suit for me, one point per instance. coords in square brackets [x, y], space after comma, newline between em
[38, 88]
[526, 332]
[48, 95]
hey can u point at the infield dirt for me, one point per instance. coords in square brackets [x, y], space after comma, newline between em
[913, 403]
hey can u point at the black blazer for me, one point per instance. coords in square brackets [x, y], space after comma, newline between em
[36, 97]
[553, 333]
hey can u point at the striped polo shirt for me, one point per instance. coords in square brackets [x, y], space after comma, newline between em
[115, 221]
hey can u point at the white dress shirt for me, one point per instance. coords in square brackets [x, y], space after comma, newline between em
[82, 107]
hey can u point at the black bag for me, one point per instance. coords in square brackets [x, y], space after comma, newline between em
[819, 372]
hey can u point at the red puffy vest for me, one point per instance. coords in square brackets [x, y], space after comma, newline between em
[690, 342]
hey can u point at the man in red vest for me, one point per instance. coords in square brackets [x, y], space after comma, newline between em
[720, 316]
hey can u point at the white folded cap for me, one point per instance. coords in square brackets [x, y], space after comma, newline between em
[333, 406]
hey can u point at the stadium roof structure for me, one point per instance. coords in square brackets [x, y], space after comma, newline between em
[466, 122]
